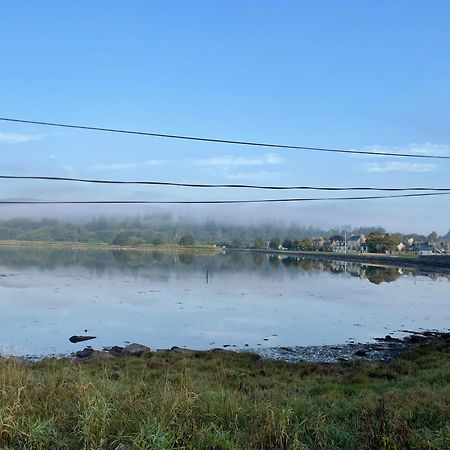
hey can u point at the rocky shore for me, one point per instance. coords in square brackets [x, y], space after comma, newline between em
[383, 349]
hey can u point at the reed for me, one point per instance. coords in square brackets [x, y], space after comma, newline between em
[225, 400]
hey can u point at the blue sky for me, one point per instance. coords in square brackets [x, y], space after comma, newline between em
[348, 74]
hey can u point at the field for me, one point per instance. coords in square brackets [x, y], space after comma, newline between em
[104, 246]
[224, 400]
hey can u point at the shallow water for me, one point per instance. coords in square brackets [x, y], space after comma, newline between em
[183, 299]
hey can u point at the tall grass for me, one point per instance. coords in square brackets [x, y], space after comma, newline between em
[221, 400]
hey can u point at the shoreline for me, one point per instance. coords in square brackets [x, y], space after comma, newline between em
[382, 349]
[441, 264]
[385, 348]
[432, 263]
[106, 246]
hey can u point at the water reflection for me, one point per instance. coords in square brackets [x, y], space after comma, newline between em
[131, 260]
[378, 275]
[201, 301]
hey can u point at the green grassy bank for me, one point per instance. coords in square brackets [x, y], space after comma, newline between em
[106, 246]
[222, 400]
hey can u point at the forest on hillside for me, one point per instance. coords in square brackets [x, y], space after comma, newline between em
[160, 230]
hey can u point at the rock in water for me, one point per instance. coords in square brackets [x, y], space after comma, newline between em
[85, 353]
[98, 354]
[115, 350]
[89, 352]
[75, 339]
[135, 349]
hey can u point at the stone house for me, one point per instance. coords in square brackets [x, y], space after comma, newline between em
[356, 244]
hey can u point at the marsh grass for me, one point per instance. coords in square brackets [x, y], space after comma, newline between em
[224, 400]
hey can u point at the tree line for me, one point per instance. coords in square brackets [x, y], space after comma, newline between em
[162, 230]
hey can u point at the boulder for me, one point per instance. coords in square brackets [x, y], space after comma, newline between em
[115, 350]
[98, 354]
[135, 350]
[90, 353]
[85, 353]
[388, 338]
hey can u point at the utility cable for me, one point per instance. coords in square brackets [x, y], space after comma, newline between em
[223, 141]
[209, 202]
[203, 185]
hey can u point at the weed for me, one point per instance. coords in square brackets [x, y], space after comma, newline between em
[222, 400]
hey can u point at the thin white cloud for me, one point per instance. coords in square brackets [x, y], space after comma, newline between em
[426, 148]
[254, 176]
[233, 161]
[127, 165]
[399, 167]
[17, 138]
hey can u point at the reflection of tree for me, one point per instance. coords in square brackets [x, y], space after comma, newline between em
[100, 261]
[274, 261]
[307, 264]
[378, 275]
[159, 257]
[237, 258]
[259, 260]
[122, 256]
[289, 261]
[187, 258]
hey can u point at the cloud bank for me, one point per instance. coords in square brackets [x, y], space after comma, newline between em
[426, 148]
[17, 138]
[400, 167]
[127, 165]
[233, 161]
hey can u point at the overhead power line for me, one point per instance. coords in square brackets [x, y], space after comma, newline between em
[208, 202]
[206, 185]
[223, 141]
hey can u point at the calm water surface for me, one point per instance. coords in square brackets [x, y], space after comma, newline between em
[162, 299]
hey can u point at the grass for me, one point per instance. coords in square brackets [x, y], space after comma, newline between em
[106, 246]
[224, 400]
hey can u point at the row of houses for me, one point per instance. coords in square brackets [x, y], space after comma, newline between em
[340, 244]
[428, 248]
[357, 244]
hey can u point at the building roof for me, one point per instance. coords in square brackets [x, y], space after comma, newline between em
[423, 246]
